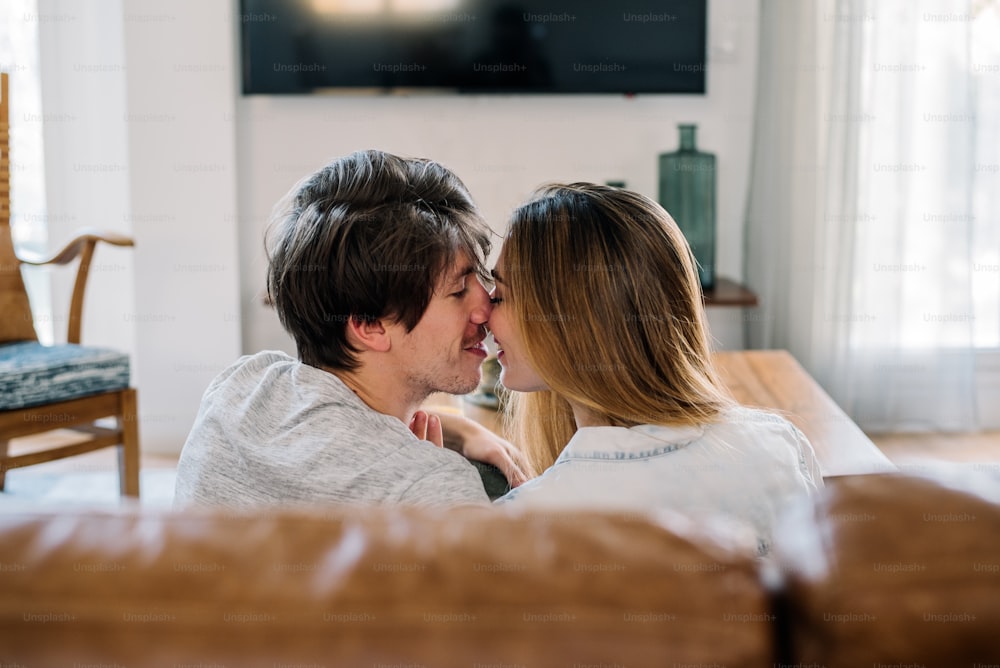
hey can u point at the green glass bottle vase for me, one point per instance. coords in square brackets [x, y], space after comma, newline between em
[687, 192]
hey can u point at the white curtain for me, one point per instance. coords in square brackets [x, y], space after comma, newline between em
[19, 57]
[872, 226]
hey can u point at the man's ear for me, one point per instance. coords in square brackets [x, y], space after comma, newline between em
[368, 334]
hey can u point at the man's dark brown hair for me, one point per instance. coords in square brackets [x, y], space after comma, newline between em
[366, 237]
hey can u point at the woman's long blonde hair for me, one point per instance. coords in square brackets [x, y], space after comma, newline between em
[603, 288]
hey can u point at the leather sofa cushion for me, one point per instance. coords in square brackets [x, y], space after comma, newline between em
[894, 570]
[363, 587]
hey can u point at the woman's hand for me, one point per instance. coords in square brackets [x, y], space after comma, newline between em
[470, 439]
[474, 441]
[427, 427]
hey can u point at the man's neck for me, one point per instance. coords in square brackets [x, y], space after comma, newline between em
[378, 395]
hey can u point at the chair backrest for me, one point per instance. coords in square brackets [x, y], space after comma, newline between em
[16, 323]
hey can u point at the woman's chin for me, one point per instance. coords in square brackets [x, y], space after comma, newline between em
[511, 382]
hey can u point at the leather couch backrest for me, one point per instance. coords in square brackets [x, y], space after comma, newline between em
[375, 586]
[894, 570]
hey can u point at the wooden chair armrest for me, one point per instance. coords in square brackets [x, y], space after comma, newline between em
[83, 245]
[85, 237]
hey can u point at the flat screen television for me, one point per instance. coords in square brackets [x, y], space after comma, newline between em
[473, 46]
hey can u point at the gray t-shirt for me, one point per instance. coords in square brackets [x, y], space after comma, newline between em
[271, 430]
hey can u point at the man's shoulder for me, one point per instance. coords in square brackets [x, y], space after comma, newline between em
[263, 360]
[429, 458]
[253, 365]
[441, 477]
[280, 378]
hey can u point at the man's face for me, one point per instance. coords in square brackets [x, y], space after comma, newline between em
[445, 351]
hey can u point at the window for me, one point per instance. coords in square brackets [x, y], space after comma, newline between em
[928, 239]
[19, 58]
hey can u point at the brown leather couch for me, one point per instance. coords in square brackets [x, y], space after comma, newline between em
[879, 571]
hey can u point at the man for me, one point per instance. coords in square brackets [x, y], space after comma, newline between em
[374, 270]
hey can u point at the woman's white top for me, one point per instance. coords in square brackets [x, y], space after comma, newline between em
[746, 467]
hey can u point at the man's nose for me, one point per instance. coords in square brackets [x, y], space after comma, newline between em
[482, 309]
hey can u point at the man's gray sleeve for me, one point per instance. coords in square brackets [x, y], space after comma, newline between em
[447, 485]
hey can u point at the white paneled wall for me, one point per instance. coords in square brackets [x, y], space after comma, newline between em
[165, 148]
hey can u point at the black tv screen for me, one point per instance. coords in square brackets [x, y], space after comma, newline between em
[473, 46]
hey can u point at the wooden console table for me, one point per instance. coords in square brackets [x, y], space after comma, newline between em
[774, 379]
[767, 379]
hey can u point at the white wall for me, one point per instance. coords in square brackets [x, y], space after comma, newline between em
[181, 89]
[154, 87]
[86, 156]
[150, 151]
[504, 146]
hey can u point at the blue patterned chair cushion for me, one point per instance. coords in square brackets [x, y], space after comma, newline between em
[33, 374]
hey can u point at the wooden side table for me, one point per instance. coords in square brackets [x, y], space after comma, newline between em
[726, 324]
[728, 292]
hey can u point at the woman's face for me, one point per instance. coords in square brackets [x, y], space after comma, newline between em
[516, 373]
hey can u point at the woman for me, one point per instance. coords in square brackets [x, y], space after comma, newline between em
[601, 333]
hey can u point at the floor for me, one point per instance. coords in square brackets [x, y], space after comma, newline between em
[908, 451]
[900, 448]
[99, 460]
[88, 479]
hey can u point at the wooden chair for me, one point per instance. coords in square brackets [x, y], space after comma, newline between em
[66, 386]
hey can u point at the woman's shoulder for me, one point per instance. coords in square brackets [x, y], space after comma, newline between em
[756, 419]
[764, 430]
[771, 433]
